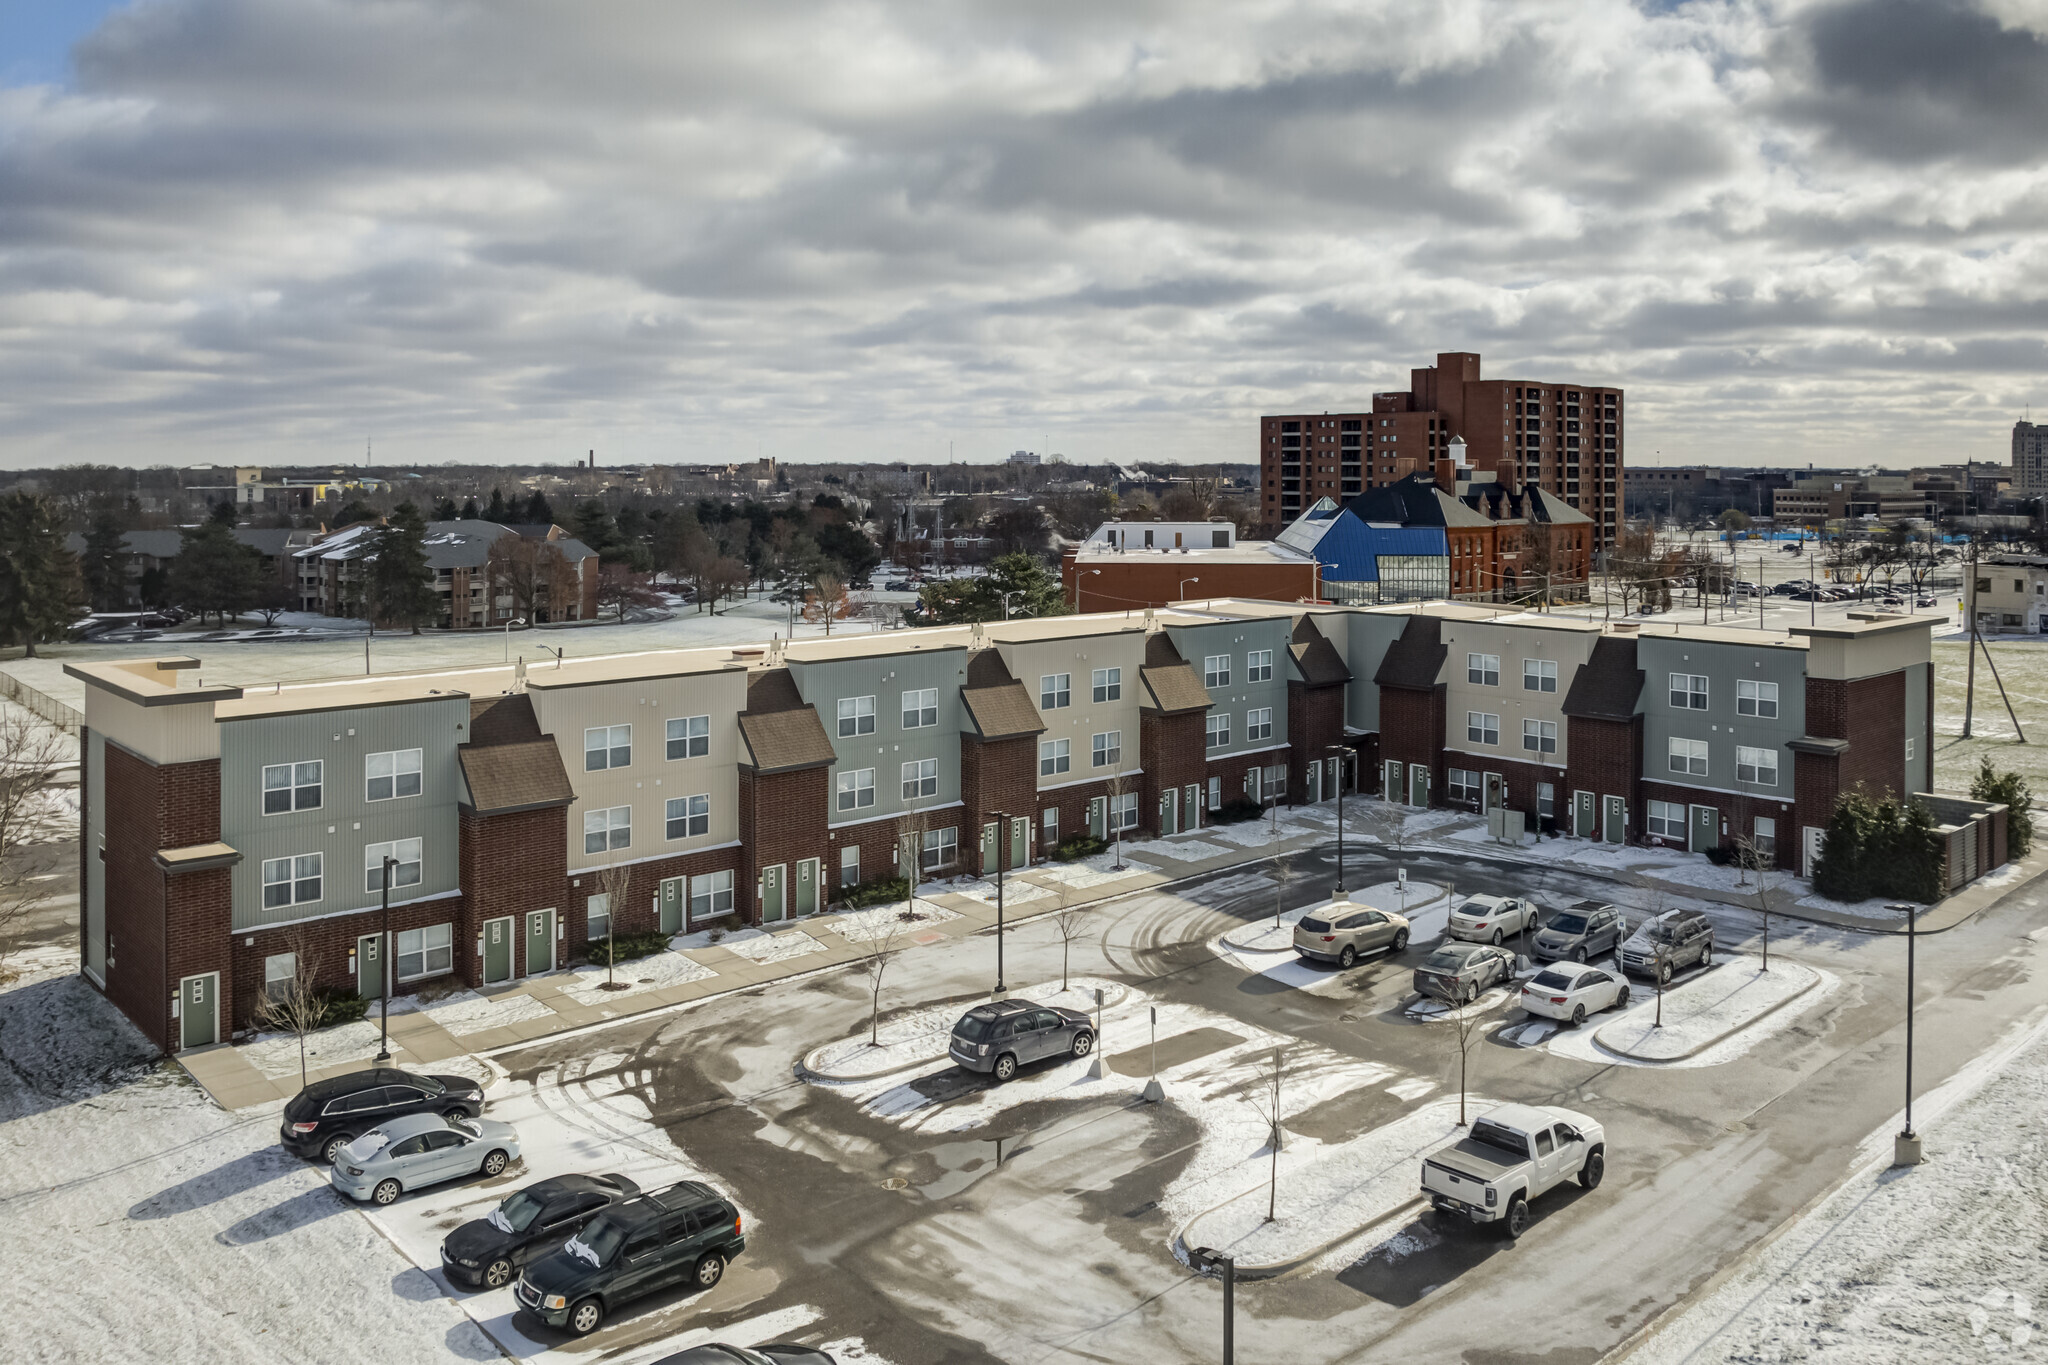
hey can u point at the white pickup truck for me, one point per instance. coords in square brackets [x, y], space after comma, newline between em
[1513, 1154]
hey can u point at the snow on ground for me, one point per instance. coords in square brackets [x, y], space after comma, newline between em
[470, 1013]
[922, 1036]
[1262, 936]
[168, 1231]
[1903, 1265]
[585, 985]
[1016, 891]
[277, 1054]
[791, 943]
[1093, 871]
[726, 935]
[881, 922]
[1258, 834]
[1698, 1011]
[1180, 847]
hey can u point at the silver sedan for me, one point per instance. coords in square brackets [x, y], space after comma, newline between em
[421, 1149]
[1458, 972]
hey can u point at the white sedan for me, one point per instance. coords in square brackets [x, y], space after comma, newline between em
[1490, 919]
[1571, 990]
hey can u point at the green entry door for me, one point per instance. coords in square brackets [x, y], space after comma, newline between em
[991, 840]
[1583, 817]
[1703, 830]
[199, 1010]
[497, 950]
[370, 966]
[1614, 821]
[1191, 806]
[772, 906]
[807, 887]
[675, 896]
[1098, 816]
[540, 942]
[1169, 804]
[1418, 784]
[1020, 841]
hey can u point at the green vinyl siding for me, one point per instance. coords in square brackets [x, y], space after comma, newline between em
[823, 682]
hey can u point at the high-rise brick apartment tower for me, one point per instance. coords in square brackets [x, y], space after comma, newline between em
[2029, 458]
[1565, 437]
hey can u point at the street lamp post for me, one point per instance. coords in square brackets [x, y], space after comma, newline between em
[1338, 751]
[1906, 1146]
[509, 623]
[384, 967]
[1208, 1258]
[1002, 837]
[1077, 585]
[1181, 593]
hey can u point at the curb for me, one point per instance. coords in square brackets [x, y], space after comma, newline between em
[1273, 1270]
[812, 1073]
[1720, 1037]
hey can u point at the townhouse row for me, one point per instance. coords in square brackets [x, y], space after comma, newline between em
[232, 833]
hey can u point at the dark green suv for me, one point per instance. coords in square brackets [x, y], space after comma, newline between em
[682, 1235]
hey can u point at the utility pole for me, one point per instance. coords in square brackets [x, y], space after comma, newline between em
[1906, 1146]
[384, 967]
[1970, 610]
[1208, 1258]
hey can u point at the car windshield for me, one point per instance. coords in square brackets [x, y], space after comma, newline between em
[1662, 933]
[1447, 960]
[1315, 926]
[515, 1214]
[598, 1243]
[1568, 924]
[974, 1027]
[428, 1084]
[1552, 981]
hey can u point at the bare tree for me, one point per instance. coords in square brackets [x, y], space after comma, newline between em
[911, 827]
[1283, 869]
[1763, 866]
[1264, 1093]
[614, 883]
[876, 953]
[31, 753]
[1465, 1020]
[1660, 951]
[294, 1005]
[1115, 789]
[1072, 923]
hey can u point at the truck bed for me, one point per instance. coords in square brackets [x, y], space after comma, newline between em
[1477, 1160]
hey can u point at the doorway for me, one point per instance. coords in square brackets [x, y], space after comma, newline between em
[1394, 785]
[1313, 783]
[497, 950]
[1583, 815]
[1495, 793]
[772, 907]
[540, 942]
[1191, 806]
[807, 887]
[1020, 841]
[199, 1010]
[675, 896]
[1615, 822]
[1703, 830]
[1418, 785]
[1169, 802]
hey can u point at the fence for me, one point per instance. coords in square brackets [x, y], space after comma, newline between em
[66, 718]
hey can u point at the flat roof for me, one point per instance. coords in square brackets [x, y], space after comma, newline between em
[150, 682]
[1861, 624]
[1244, 552]
[1724, 635]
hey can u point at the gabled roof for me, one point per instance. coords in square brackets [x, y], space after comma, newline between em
[996, 702]
[1171, 686]
[1417, 657]
[1316, 661]
[1350, 550]
[1608, 684]
[781, 730]
[508, 763]
[1413, 501]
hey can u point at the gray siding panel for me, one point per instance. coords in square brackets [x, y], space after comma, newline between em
[1237, 639]
[823, 682]
[1720, 725]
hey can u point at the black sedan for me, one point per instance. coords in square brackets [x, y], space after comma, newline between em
[718, 1353]
[328, 1115]
[487, 1252]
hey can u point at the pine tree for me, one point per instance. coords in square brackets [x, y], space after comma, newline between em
[444, 509]
[497, 511]
[105, 563]
[401, 581]
[40, 590]
[2012, 791]
[538, 513]
[215, 573]
[469, 512]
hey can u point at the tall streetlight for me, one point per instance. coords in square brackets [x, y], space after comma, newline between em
[1077, 584]
[514, 621]
[1006, 596]
[1002, 820]
[1182, 591]
[1338, 751]
[1208, 1258]
[384, 967]
[1906, 1146]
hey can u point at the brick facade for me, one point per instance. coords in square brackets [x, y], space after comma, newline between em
[1606, 759]
[331, 945]
[1738, 814]
[995, 775]
[1412, 731]
[1315, 721]
[1521, 780]
[513, 863]
[1175, 757]
[782, 822]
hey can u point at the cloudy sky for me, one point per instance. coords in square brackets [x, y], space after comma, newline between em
[265, 230]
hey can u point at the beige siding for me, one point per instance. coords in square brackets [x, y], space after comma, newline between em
[1078, 724]
[1568, 649]
[179, 733]
[1869, 655]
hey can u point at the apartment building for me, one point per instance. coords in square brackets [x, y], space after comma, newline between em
[2030, 459]
[1569, 438]
[2008, 594]
[231, 833]
[540, 573]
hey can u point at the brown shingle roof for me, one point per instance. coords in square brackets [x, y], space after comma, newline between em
[1608, 683]
[1417, 657]
[1170, 684]
[509, 764]
[781, 730]
[1315, 658]
[996, 702]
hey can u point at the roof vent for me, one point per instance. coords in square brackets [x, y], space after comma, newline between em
[1627, 627]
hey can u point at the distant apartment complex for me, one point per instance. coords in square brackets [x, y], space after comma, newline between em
[1568, 438]
[485, 574]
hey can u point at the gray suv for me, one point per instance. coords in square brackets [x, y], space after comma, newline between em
[1674, 939]
[1579, 933]
[1003, 1035]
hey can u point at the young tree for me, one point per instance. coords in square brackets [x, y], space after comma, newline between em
[401, 581]
[294, 1005]
[1763, 866]
[468, 512]
[1464, 1020]
[877, 951]
[40, 591]
[618, 588]
[104, 565]
[1283, 868]
[827, 601]
[1114, 790]
[1264, 1095]
[2011, 790]
[911, 827]
[615, 883]
[31, 754]
[1072, 923]
[273, 598]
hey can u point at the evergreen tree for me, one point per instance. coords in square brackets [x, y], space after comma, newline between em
[214, 573]
[497, 511]
[593, 526]
[2011, 790]
[1032, 592]
[444, 509]
[468, 512]
[40, 590]
[105, 562]
[401, 582]
[356, 510]
[538, 513]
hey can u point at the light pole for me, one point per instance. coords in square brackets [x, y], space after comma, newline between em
[511, 622]
[1181, 593]
[1077, 585]
[1006, 596]
[1906, 1146]
[1208, 1258]
[1002, 837]
[384, 967]
[1338, 751]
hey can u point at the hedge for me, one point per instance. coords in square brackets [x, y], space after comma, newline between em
[626, 947]
[878, 891]
[1879, 848]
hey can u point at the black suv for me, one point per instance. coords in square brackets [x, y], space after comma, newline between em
[328, 1115]
[487, 1252]
[681, 1235]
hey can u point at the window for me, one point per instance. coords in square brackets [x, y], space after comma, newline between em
[711, 895]
[1688, 756]
[920, 778]
[607, 746]
[1054, 691]
[1107, 749]
[1258, 666]
[1756, 765]
[1689, 691]
[941, 848]
[291, 881]
[1539, 736]
[689, 737]
[607, 829]
[849, 866]
[392, 775]
[291, 786]
[1258, 723]
[1765, 840]
[1482, 727]
[425, 952]
[1123, 812]
[1546, 801]
[406, 873]
[1756, 699]
[1049, 826]
[1482, 670]
[856, 716]
[1539, 675]
[1464, 785]
[279, 970]
[857, 789]
[597, 917]
[1668, 819]
[1215, 793]
[688, 816]
[920, 708]
[1054, 757]
[1216, 670]
[1108, 683]
[1217, 729]
[1909, 751]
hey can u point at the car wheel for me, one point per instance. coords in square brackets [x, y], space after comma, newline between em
[1497, 936]
[498, 1273]
[495, 1163]
[1578, 1015]
[1579, 953]
[1005, 1067]
[1621, 998]
[586, 1317]
[331, 1148]
[1707, 955]
[1400, 939]
[1517, 1221]
[710, 1270]
[1348, 958]
[386, 1191]
[1595, 1167]
[1471, 992]
[1664, 973]
[1084, 1043]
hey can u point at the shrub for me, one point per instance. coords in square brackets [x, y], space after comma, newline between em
[1236, 811]
[2011, 790]
[1877, 848]
[877, 891]
[626, 947]
[1079, 847]
[344, 1006]
[1720, 855]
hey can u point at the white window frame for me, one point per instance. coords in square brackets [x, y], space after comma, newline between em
[1106, 750]
[920, 779]
[1539, 736]
[1688, 692]
[1463, 784]
[941, 849]
[1055, 690]
[921, 708]
[694, 816]
[1754, 697]
[1217, 726]
[298, 779]
[849, 862]
[856, 788]
[1258, 724]
[1055, 756]
[611, 826]
[1482, 670]
[1669, 826]
[1764, 837]
[279, 971]
[1687, 757]
[612, 748]
[398, 765]
[597, 916]
[856, 716]
[1539, 675]
[432, 946]
[1761, 765]
[711, 895]
[1123, 812]
[688, 737]
[1216, 670]
[1258, 665]
[299, 874]
[1482, 727]
[409, 853]
[1049, 826]
[1106, 684]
